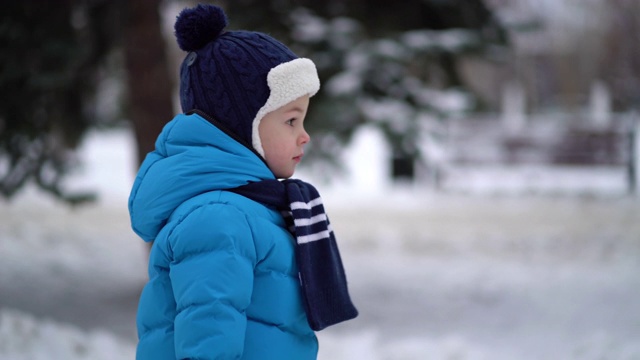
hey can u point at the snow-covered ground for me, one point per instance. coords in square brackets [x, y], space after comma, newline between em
[435, 276]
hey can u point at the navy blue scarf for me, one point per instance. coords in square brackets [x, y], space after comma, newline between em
[324, 284]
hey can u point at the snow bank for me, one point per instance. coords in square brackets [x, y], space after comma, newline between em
[23, 337]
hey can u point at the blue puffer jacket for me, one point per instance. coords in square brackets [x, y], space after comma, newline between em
[223, 282]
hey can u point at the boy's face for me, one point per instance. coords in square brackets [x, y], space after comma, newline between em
[283, 137]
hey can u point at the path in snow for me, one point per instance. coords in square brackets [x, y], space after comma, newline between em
[459, 278]
[510, 278]
[82, 266]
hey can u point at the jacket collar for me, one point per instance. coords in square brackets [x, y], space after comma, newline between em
[192, 156]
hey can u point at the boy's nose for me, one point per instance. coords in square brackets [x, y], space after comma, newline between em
[304, 137]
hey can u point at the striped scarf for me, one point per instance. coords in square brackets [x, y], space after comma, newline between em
[322, 277]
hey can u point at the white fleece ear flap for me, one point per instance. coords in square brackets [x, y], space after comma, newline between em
[287, 82]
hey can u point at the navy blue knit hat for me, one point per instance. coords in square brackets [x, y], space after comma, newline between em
[237, 77]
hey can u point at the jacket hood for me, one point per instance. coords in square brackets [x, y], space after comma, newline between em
[192, 157]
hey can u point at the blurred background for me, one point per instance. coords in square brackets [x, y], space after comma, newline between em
[478, 159]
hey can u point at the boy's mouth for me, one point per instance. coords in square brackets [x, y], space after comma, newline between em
[298, 158]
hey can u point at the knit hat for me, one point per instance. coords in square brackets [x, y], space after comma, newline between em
[237, 77]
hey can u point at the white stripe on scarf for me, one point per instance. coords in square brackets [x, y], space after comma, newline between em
[311, 221]
[314, 237]
[307, 206]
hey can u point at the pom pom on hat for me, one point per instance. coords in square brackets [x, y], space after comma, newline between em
[196, 27]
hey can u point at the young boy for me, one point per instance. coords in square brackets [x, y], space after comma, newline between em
[230, 277]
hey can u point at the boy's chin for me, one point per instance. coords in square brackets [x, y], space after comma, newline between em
[284, 176]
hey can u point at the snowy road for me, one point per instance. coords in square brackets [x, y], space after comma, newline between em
[488, 278]
[439, 278]
[78, 266]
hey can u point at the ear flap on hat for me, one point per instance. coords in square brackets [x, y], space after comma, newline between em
[287, 82]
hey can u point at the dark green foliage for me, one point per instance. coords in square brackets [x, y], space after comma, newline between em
[377, 55]
[371, 55]
[49, 67]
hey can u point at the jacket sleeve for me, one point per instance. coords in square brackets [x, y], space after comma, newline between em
[212, 280]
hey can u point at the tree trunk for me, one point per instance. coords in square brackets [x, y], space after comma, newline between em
[150, 86]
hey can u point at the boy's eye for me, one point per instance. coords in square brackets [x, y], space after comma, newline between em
[290, 122]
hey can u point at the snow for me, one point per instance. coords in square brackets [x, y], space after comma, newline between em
[557, 25]
[23, 337]
[434, 275]
[451, 40]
